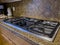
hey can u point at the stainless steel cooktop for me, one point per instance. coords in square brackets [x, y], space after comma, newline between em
[41, 28]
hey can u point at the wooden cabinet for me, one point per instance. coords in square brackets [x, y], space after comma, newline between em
[4, 40]
[8, 1]
[12, 38]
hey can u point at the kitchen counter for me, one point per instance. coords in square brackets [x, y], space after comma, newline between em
[34, 38]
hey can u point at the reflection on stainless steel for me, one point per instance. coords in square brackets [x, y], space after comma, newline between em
[41, 28]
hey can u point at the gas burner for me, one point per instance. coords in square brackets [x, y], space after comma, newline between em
[41, 28]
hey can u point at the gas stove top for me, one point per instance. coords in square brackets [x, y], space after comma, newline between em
[41, 28]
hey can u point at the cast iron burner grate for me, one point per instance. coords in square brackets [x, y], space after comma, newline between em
[42, 28]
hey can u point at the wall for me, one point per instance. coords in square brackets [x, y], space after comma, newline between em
[37, 8]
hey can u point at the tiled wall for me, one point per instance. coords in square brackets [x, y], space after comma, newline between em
[37, 8]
